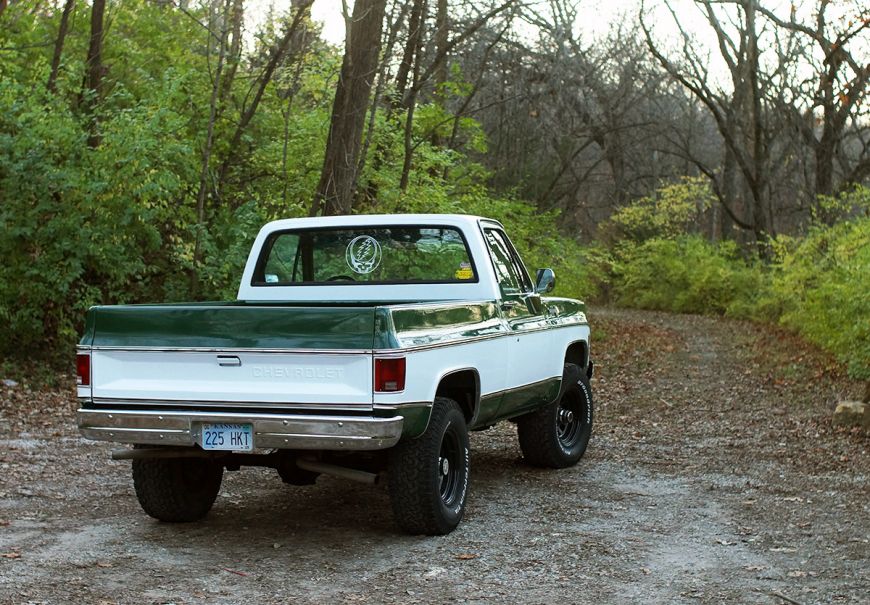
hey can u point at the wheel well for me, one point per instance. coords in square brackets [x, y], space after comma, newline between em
[578, 354]
[463, 387]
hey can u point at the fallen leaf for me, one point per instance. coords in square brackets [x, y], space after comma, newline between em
[466, 556]
[10, 555]
[797, 574]
[238, 573]
[4, 523]
[103, 564]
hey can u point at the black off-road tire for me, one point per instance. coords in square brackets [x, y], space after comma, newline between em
[427, 495]
[177, 490]
[556, 435]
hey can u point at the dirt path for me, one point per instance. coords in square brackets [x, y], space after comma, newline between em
[714, 476]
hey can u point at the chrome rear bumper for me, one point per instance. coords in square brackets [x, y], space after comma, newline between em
[270, 430]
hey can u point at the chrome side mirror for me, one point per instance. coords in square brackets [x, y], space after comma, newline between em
[546, 281]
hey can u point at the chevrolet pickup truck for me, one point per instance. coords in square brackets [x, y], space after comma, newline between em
[365, 347]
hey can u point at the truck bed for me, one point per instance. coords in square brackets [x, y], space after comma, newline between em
[214, 355]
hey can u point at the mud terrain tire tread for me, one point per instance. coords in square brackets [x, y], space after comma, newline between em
[413, 479]
[177, 490]
[538, 431]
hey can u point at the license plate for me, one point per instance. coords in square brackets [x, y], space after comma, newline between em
[234, 437]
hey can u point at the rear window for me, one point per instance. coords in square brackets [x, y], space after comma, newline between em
[368, 255]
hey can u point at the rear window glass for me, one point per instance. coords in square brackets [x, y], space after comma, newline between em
[370, 255]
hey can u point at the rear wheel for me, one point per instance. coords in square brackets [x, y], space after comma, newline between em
[177, 490]
[557, 434]
[428, 476]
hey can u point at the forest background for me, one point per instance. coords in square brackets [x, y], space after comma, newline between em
[716, 167]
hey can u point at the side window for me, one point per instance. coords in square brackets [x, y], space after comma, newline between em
[510, 278]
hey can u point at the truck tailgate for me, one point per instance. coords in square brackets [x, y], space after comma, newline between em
[215, 355]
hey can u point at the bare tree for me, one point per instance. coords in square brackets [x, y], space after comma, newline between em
[277, 54]
[841, 83]
[743, 116]
[95, 68]
[204, 172]
[68, 7]
[234, 53]
[335, 191]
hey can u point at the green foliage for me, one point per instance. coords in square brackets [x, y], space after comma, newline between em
[668, 213]
[686, 274]
[820, 284]
[119, 223]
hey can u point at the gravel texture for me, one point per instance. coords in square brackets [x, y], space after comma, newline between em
[713, 476]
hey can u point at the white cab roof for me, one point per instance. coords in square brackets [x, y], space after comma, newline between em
[484, 289]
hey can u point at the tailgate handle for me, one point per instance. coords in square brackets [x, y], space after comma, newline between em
[229, 361]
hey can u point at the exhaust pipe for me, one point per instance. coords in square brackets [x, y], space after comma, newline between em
[141, 454]
[337, 471]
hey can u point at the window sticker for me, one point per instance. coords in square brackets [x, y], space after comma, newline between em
[363, 254]
[271, 278]
[464, 271]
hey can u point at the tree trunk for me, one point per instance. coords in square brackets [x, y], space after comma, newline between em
[409, 131]
[411, 103]
[202, 191]
[278, 54]
[94, 75]
[369, 193]
[338, 178]
[58, 45]
[414, 26]
[442, 32]
[235, 50]
[442, 40]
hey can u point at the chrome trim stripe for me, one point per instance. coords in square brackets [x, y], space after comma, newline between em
[474, 339]
[227, 350]
[447, 343]
[448, 304]
[184, 403]
[401, 406]
[270, 430]
[521, 387]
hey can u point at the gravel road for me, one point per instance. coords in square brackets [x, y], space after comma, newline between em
[713, 476]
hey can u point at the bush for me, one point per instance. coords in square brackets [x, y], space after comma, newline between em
[686, 274]
[820, 288]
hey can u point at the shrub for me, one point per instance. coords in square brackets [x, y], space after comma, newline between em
[820, 287]
[686, 274]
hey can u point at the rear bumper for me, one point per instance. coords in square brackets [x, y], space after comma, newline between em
[270, 430]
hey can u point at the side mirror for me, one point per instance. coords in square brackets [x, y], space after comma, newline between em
[546, 281]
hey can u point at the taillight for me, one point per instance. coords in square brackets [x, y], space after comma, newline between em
[83, 369]
[389, 375]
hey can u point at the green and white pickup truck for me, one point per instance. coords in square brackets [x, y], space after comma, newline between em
[364, 347]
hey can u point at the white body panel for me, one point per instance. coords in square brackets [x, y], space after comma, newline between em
[426, 368]
[502, 363]
[269, 378]
[538, 355]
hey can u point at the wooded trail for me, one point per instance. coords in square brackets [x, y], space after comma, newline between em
[713, 475]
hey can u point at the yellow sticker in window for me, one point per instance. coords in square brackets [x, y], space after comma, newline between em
[464, 271]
